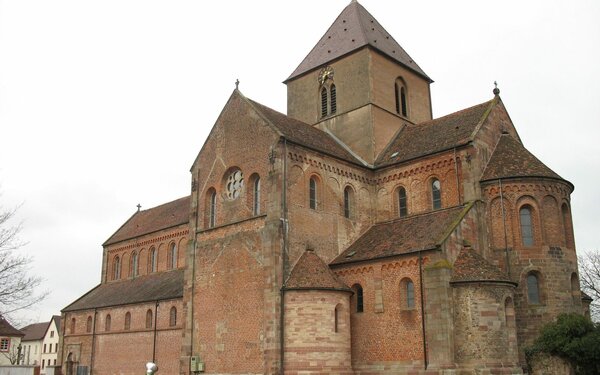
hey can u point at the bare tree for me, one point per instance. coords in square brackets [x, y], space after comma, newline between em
[589, 275]
[13, 355]
[17, 287]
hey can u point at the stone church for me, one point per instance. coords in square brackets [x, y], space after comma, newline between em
[353, 235]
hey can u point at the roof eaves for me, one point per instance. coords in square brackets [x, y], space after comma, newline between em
[491, 180]
[378, 258]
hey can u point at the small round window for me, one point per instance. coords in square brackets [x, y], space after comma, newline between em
[235, 182]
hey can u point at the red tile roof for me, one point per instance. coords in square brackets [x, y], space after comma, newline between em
[511, 159]
[470, 266]
[6, 329]
[165, 216]
[147, 288]
[401, 236]
[433, 136]
[310, 272]
[34, 331]
[354, 29]
[303, 134]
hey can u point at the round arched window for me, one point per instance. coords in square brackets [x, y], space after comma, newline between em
[234, 185]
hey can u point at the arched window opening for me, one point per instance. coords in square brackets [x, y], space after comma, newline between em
[348, 202]
[566, 219]
[401, 97]
[336, 319]
[107, 322]
[402, 207]
[397, 96]
[575, 292]
[117, 268]
[134, 264]
[88, 324]
[333, 95]
[526, 226]
[533, 289]
[152, 264]
[72, 327]
[358, 295]
[312, 186]
[256, 200]
[403, 101]
[127, 325]
[410, 294]
[323, 102]
[173, 317]
[149, 319]
[436, 194]
[172, 256]
[212, 208]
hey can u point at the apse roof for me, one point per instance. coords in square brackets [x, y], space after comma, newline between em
[310, 272]
[153, 219]
[511, 159]
[353, 29]
[401, 236]
[152, 287]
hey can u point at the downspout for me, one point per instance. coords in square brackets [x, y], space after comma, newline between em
[191, 309]
[425, 359]
[457, 179]
[283, 260]
[504, 225]
[154, 343]
[93, 342]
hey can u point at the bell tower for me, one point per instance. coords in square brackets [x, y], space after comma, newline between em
[359, 84]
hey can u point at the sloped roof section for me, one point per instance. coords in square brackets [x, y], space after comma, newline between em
[512, 159]
[433, 136]
[401, 236]
[353, 29]
[153, 287]
[310, 272]
[6, 329]
[303, 134]
[154, 219]
[56, 319]
[470, 266]
[34, 331]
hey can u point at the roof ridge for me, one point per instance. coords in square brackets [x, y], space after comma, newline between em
[450, 114]
[487, 112]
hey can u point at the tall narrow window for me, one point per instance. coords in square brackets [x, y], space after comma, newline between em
[117, 268]
[212, 210]
[533, 288]
[153, 261]
[134, 264]
[348, 202]
[402, 208]
[127, 325]
[410, 294]
[358, 293]
[323, 102]
[336, 318]
[312, 193]
[436, 194]
[88, 324]
[526, 226]
[401, 97]
[107, 322]
[566, 225]
[149, 318]
[403, 101]
[397, 95]
[333, 96]
[72, 328]
[173, 317]
[256, 201]
[173, 256]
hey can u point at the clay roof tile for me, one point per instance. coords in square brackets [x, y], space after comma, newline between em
[310, 272]
[470, 266]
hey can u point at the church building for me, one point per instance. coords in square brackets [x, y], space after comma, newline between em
[355, 234]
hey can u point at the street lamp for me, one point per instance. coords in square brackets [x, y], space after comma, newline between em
[151, 368]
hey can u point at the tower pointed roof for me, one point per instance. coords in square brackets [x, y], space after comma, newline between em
[353, 29]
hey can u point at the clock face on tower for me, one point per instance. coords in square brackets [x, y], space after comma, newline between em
[325, 74]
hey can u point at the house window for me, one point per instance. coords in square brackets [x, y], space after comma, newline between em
[56, 348]
[127, 321]
[153, 261]
[117, 268]
[410, 294]
[256, 198]
[212, 208]
[51, 333]
[436, 194]
[44, 348]
[402, 207]
[173, 255]
[107, 323]
[348, 202]
[312, 186]
[88, 324]
[526, 226]
[134, 265]
[358, 292]
[173, 317]
[323, 102]
[149, 319]
[533, 288]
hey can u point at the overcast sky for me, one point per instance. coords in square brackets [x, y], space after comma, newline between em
[105, 104]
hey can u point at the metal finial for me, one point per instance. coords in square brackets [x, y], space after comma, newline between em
[139, 206]
[496, 89]
[237, 83]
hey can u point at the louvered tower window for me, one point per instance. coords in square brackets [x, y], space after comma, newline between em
[333, 94]
[323, 102]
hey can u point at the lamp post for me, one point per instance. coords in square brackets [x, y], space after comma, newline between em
[151, 368]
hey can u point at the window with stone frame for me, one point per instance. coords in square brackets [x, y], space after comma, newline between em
[149, 318]
[313, 187]
[211, 208]
[107, 323]
[256, 196]
[402, 202]
[173, 317]
[127, 325]
[526, 222]
[134, 265]
[358, 298]
[348, 202]
[172, 256]
[533, 288]
[152, 260]
[116, 268]
[436, 194]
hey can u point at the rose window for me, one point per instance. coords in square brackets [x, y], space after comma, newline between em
[235, 182]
